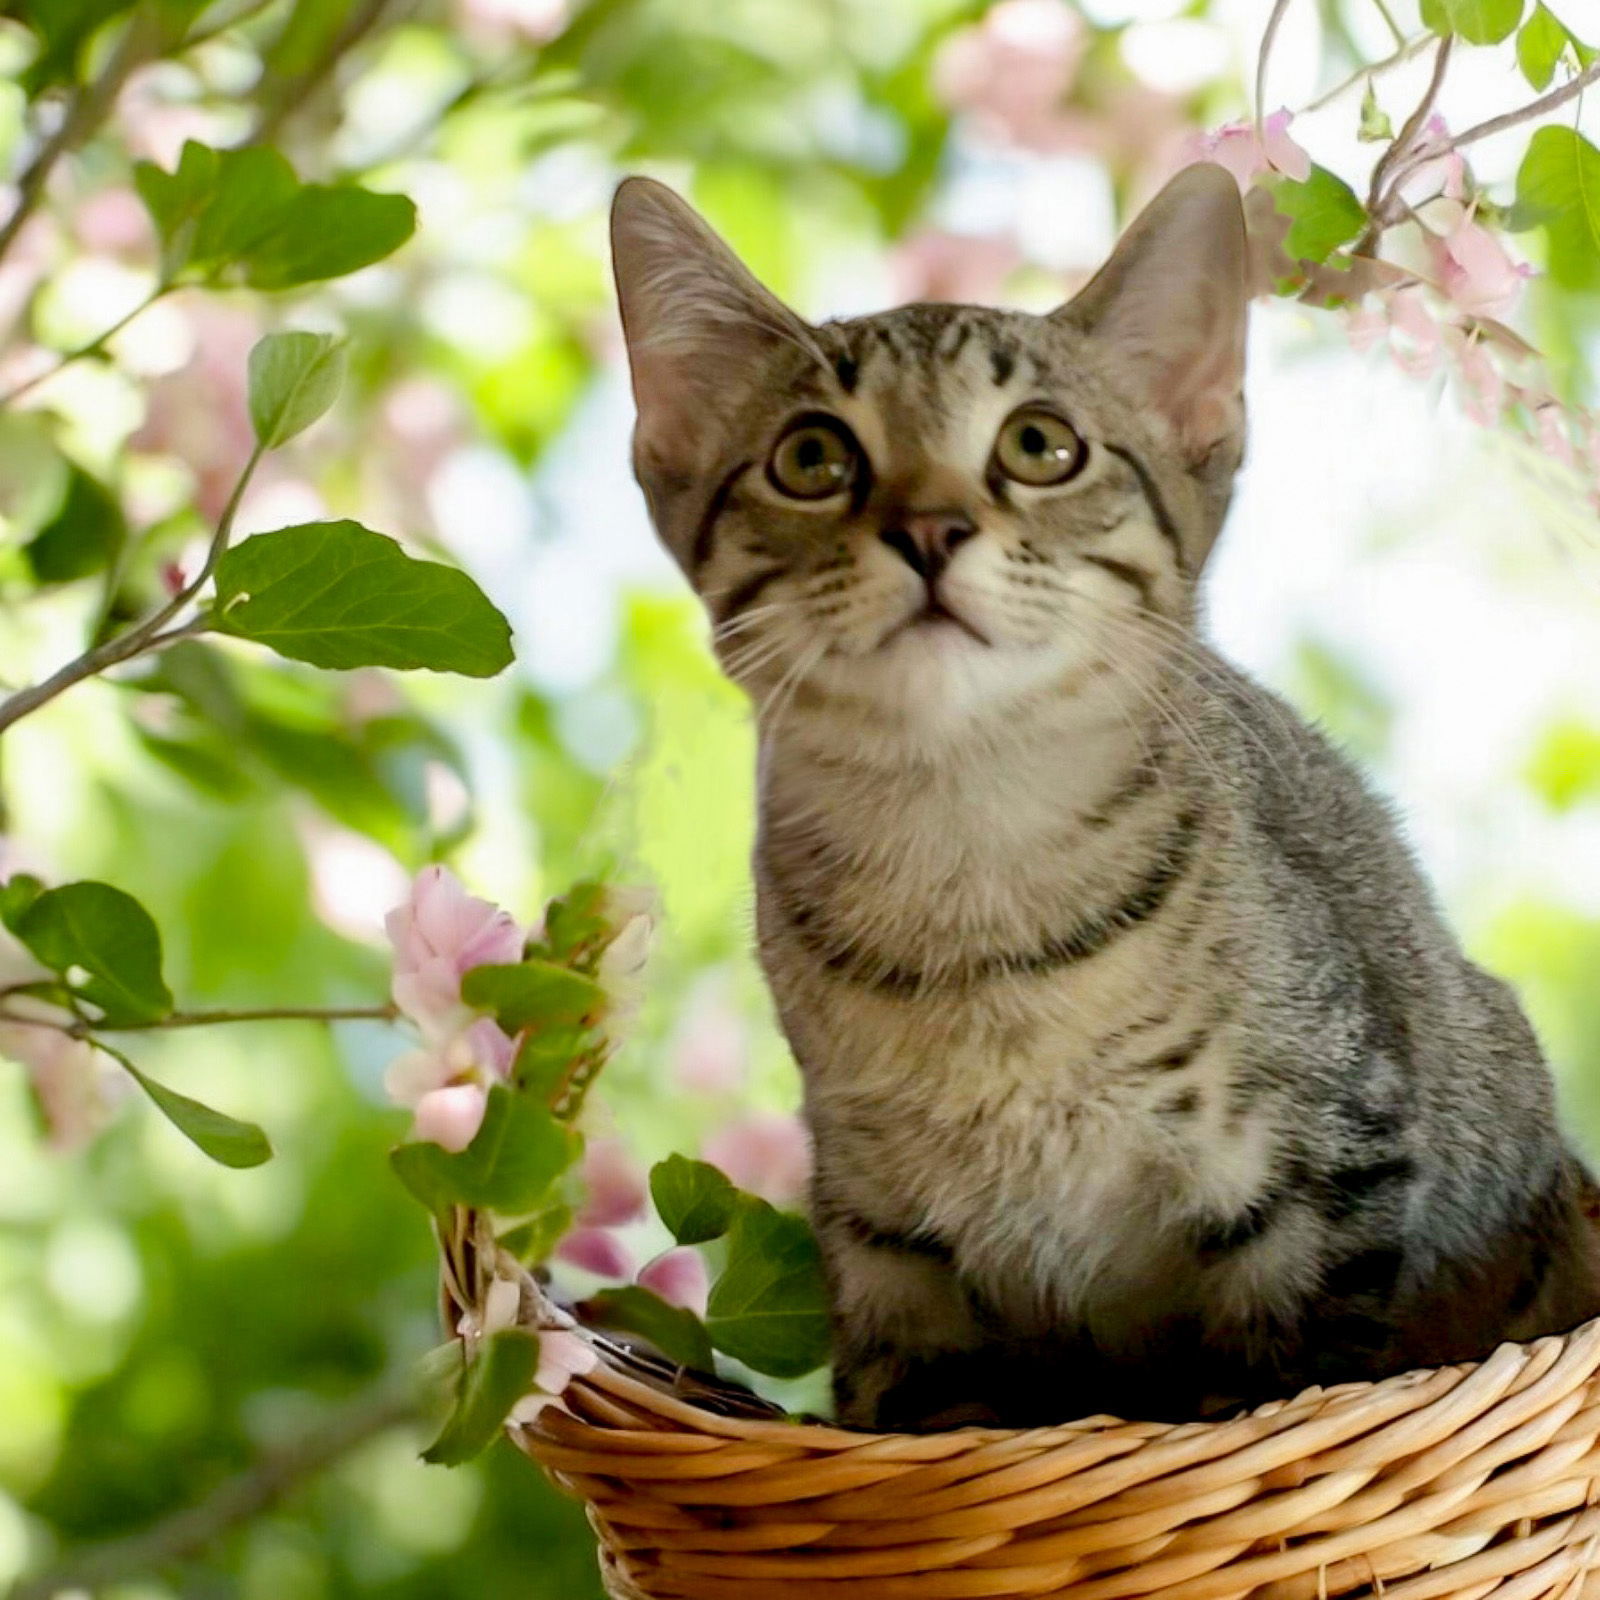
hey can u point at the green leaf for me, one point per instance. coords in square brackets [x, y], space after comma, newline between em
[335, 594]
[1477, 21]
[17, 893]
[225, 1139]
[534, 1240]
[244, 214]
[693, 1199]
[546, 1057]
[534, 993]
[1376, 128]
[510, 1165]
[678, 1334]
[500, 1374]
[110, 936]
[84, 537]
[1540, 43]
[1558, 186]
[327, 232]
[769, 1307]
[294, 378]
[1324, 213]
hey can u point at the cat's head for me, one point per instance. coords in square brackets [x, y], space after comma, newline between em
[937, 510]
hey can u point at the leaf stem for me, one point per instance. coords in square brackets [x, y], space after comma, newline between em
[1268, 36]
[151, 634]
[92, 348]
[1388, 17]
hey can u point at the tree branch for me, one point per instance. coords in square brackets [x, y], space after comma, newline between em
[143, 637]
[1511, 119]
[196, 1528]
[1269, 34]
[86, 110]
[1382, 188]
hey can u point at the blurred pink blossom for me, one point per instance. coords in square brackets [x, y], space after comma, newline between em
[710, 1050]
[768, 1153]
[1484, 383]
[1012, 71]
[599, 1251]
[1249, 155]
[1554, 437]
[1474, 270]
[1421, 344]
[68, 1077]
[1365, 327]
[450, 1116]
[614, 1184]
[679, 1277]
[962, 268]
[537, 21]
[113, 222]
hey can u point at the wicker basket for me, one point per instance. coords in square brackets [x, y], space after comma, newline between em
[1462, 1482]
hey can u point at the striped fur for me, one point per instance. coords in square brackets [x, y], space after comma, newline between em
[1144, 1075]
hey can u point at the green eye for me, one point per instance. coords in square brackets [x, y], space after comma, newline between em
[1035, 446]
[814, 459]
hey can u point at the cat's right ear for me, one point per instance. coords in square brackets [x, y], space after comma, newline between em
[699, 328]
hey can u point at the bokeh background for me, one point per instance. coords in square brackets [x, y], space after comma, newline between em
[201, 1371]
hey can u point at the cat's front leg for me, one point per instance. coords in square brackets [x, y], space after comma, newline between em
[908, 1350]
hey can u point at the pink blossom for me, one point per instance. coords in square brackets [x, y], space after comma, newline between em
[112, 221]
[1249, 155]
[598, 1251]
[679, 1277]
[538, 21]
[961, 268]
[1421, 342]
[479, 1051]
[614, 1184]
[709, 1054]
[450, 1116]
[562, 1357]
[1366, 327]
[767, 1153]
[1475, 272]
[1485, 385]
[68, 1078]
[440, 933]
[1554, 438]
[1442, 177]
[1012, 72]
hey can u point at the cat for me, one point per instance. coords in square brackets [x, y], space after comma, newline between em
[1143, 1074]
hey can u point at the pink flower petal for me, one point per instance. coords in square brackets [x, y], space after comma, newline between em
[1485, 384]
[597, 1251]
[562, 1357]
[1281, 150]
[767, 1153]
[614, 1183]
[450, 1117]
[679, 1277]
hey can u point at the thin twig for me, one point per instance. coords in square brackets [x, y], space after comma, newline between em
[1388, 17]
[195, 1529]
[145, 636]
[87, 109]
[1382, 188]
[206, 1019]
[92, 348]
[222, 25]
[298, 91]
[1268, 36]
[1411, 48]
[1511, 119]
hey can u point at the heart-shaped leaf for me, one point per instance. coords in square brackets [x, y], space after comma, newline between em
[769, 1307]
[293, 379]
[694, 1199]
[106, 946]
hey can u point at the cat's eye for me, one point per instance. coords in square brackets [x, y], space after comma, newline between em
[816, 458]
[1036, 447]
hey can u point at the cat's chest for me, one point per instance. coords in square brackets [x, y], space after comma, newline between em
[1058, 1186]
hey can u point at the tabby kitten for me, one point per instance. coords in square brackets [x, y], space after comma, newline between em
[1143, 1074]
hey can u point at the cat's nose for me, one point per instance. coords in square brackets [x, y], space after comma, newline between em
[925, 540]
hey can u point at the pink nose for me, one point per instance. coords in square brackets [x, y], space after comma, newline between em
[925, 540]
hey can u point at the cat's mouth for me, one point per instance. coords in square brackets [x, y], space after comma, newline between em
[935, 616]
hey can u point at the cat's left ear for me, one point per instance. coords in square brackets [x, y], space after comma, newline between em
[1170, 307]
[699, 327]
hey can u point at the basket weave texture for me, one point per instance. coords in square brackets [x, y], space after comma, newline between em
[1458, 1482]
